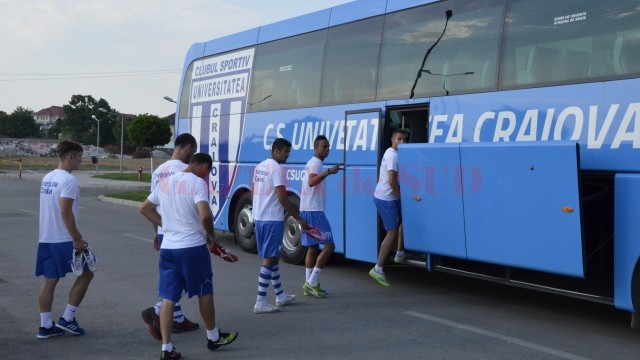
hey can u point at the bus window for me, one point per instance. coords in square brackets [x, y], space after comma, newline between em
[463, 61]
[549, 42]
[351, 62]
[286, 73]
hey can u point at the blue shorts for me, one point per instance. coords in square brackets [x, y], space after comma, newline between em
[54, 259]
[160, 237]
[269, 236]
[188, 270]
[319, 220]
[390, 212]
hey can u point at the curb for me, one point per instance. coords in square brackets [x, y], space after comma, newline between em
[119, 201]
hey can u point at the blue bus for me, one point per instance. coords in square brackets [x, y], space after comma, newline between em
[523, 163]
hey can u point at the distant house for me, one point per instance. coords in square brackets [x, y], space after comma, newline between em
[49, 115]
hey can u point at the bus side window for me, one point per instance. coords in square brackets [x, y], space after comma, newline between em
[626, 52]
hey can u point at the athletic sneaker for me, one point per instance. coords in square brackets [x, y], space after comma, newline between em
[307, 292]
[223, 339]
[173, 354]
[71, 326]
[288, 299]
[313, 290]
[77, 263]
[90, 259]
[401, 259]
[265, 309]
[45, 333]
[153, 322]
[185, 325]
[379, 277]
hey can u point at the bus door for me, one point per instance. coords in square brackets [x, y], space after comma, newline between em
[361, 138]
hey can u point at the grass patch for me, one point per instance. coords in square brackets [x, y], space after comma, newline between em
[146, 176]
[139, 195]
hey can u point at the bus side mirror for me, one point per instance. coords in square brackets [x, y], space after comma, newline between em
[94, 160]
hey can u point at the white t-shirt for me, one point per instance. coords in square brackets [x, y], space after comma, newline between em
[55, 185]
[389, 162]
[266, 176]
[177, 197]
[162, 173]
[312, 198]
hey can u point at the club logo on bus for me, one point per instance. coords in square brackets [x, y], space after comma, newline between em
[218, 102]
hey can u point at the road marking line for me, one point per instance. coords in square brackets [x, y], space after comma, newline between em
[138, 237]
[510, 339]
[30, 212]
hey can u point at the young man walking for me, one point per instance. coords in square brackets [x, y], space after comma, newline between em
[269, 203]
[61, 247]
[185, 262]
[312, 205]
[184, 148]
[387, 200]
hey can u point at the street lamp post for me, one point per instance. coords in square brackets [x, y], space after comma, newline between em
[169, 99]
[97, 145]
[121, 133]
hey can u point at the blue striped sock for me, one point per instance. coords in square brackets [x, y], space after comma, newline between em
[263, 283]
[275, 280]
[177, 313]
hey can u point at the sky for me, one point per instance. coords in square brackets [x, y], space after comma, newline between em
[128, 52]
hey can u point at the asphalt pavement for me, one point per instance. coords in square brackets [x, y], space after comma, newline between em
[420, 316]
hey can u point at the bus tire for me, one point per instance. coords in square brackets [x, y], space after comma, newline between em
[243, 229]
[292, 250]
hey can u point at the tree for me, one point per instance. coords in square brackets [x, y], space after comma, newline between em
[149, 131]
[78, 124]
[19, 124]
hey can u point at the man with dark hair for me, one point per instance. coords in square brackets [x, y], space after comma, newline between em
[269, 203]
[61, 247]
[185, 262]
[387, 200]
[184, 148]
[312, 205]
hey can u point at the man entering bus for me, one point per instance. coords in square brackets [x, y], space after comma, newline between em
[387, 200]
[312, 204]
[269, 203]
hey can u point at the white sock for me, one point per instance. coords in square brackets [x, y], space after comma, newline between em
[45, 320]
[167, 347]
[70, 313]
[400, 253]
[213, 334]
[378, 268]
[313, 279]
[308, 271]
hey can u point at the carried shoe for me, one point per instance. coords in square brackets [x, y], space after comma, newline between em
[77, 263]
[288, 299]
[45, 333]
[265, 309]
[170, 355]
[90, 259]
[71, 326]
[153, 322]
[379, 277]
[223, 339]
[219, 250]
[313, 290]
[184, 325]
[401, 259]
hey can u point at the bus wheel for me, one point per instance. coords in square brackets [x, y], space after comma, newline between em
[243, 225]
[292, 250]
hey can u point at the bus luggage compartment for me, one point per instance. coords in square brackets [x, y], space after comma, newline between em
[511, 204]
